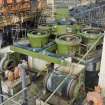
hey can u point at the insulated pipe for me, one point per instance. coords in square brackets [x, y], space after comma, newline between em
[102, 70]
[1, 97]
[0, 40]
[2, 61]
[23, 68]
[1, 70]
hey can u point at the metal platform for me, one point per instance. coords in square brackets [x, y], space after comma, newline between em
[42, 54]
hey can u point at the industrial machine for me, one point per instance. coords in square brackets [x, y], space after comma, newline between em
[41, 52]
[68, 45]
[11, 82]
[69, 80]
[59, 62]
[38, 39]
[61, 59]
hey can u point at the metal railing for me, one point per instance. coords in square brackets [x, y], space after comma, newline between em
[13, 100]
[93, 15]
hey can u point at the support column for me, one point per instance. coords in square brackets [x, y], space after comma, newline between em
[102, 70]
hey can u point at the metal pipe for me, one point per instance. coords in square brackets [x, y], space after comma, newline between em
[2, 61]
[102, 70]
[1, 69]
[1, 97]
[23, 68]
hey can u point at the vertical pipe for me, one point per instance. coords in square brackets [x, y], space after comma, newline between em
[102, 70]
[23, 67]
[1, 71]
[1, 97]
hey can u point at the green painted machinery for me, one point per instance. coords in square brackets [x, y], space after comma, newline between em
[61, 29]
[91, 35]
[58, 30]
[68, 45]
[38, 39]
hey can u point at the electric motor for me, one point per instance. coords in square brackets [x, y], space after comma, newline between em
[67, 84]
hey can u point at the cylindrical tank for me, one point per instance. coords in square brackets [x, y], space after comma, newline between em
[90, 36]
[61, 29]
[68, 45]
[53, 80]
[38, 39]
